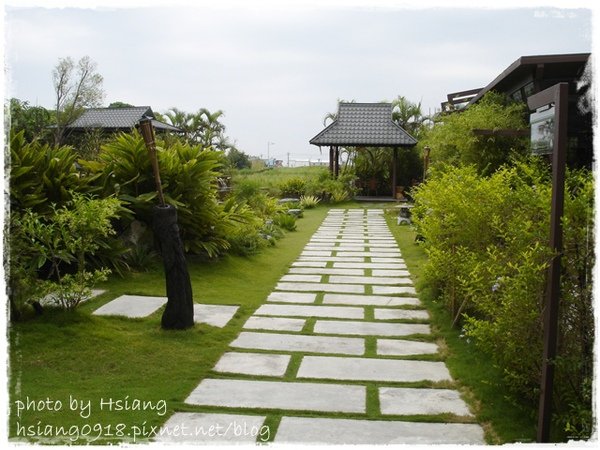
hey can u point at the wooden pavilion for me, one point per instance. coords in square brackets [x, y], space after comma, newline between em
[363, 125]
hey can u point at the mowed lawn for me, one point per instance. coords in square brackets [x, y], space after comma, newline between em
[116, 377]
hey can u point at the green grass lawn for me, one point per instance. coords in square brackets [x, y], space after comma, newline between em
[271, 179]
[93, 360]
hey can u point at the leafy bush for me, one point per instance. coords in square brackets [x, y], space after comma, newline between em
[487, 241]
[58, 244]
[453, 141]
[294, 187]
[285, 221]
[309, 201]
[41, 175]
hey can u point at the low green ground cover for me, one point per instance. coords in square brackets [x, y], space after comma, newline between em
[73, 355]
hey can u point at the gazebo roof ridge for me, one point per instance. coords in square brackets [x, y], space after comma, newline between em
[364, 124]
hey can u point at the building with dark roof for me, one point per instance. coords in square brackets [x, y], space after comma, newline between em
[529, 75]
[363, 125]
[117, 119]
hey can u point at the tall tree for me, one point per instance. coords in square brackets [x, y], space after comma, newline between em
[76, 86]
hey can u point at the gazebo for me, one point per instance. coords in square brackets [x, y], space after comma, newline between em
[363, 125]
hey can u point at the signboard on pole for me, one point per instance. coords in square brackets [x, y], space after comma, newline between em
[542, 131]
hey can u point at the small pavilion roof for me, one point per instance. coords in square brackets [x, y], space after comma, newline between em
[364, 124]
[118, 119]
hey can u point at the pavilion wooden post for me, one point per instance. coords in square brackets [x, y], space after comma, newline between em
[394, 172]
[331, 159]
[336, 158]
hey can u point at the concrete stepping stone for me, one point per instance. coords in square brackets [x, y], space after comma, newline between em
[357, 259]
[279, 395]
[368, 254]
[370, 328]
[337, 312]
[409, 401]
[300, 343]
[302, 278]
[309, 264]
[393, 290]
[400, 347]
[262, 364]
[326, 271]
[316, 253]
[372, 369]
[321, 287]
[365, 300]
[313, 430]
[208, 428]
[274, 323]
[292, 297]
[387, 260]
[215, 315]
[365, 265]
[404, 314]
[133, 306]
[390, 273]
[368, 280]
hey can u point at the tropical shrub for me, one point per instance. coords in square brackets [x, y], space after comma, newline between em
[309, 201]
[453, 140]
[487, 241]
[294, 187]
[54, 248]
[285, 221]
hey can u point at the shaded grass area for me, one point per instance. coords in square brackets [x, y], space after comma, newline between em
[271, 179]
[111, 363]
[479, 381]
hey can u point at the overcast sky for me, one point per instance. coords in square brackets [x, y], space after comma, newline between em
[277, 71]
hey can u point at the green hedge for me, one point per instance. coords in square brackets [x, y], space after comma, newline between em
[487, 242]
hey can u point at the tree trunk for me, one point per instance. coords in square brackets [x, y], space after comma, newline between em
[179, 313]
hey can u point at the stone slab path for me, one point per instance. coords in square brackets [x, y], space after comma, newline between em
[339, 353]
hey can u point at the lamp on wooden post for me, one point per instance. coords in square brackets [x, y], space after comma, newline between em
[179, 312]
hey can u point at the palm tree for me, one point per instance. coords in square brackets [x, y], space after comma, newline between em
[408, 115]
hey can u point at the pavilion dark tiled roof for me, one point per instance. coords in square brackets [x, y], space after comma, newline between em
[364, 124]
[117, 119]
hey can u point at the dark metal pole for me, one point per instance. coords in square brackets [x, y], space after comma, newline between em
[560, 98]
[394, 171]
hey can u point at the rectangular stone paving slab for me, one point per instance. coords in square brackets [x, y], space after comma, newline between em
[387, 260]
[253, 364]
[132, 306]
[309, 264]
[412, 401]
[302, 278]
[390, 273]
[316, 253]
[207, 428]
[377, 300]
[321, 287]
[406, 314]
[279, 395]
[292, 297]
[356, 328]
[274, 323]
[357, 259]
[312, 430]
[326, 271]
[300, 343]
[401, 347]
[368, 254]
[368, 280]
[393, 290]
[372, 369]
[365, 265]
[215, 315]
[338, 312]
